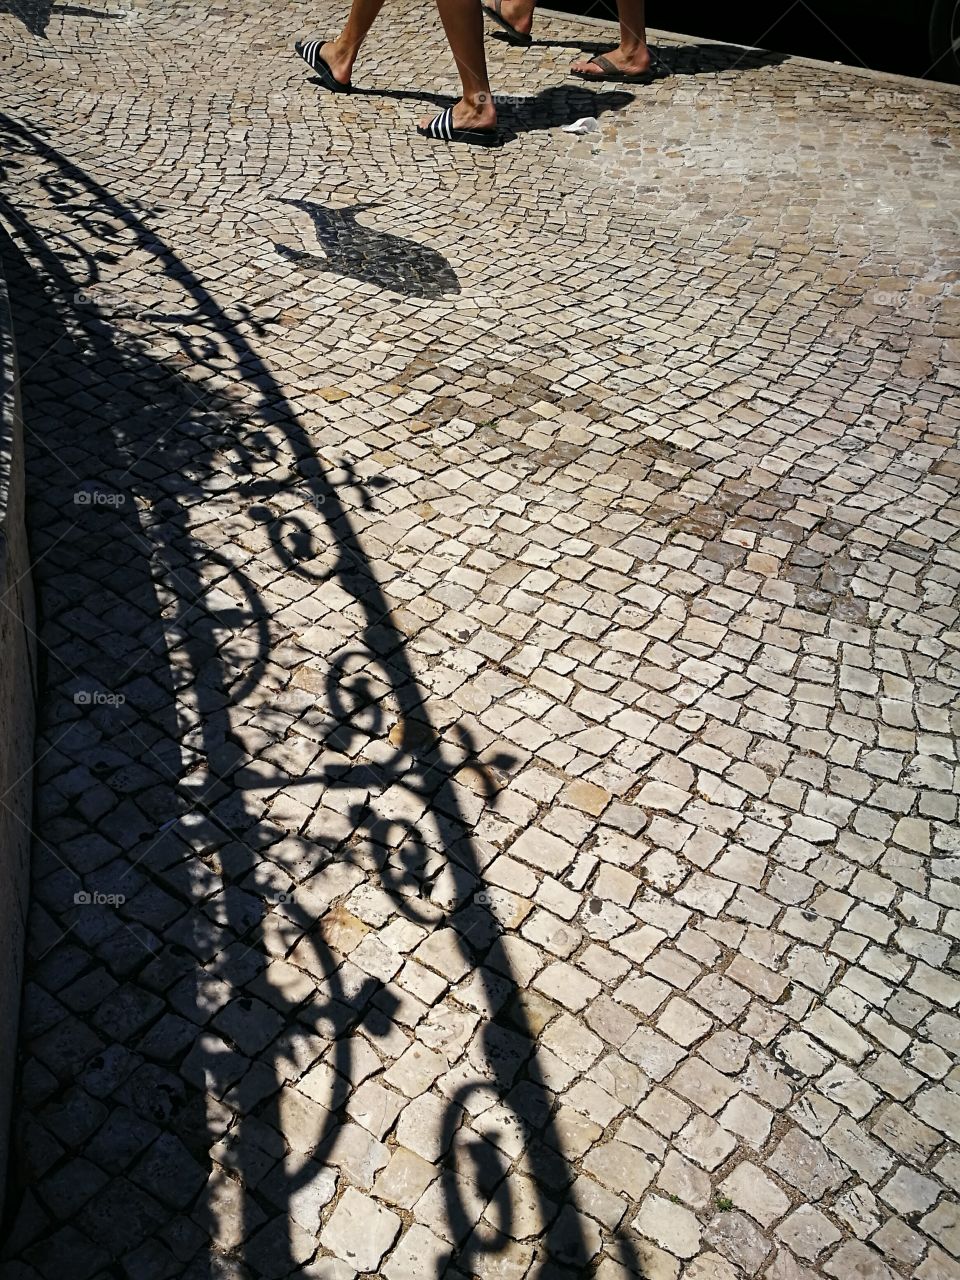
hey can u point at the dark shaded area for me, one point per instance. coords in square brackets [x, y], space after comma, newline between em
[700, 58]
[522, 113]
[154, 1014]
[559, 105]
[908, 37]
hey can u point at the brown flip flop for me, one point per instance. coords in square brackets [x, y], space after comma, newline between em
[610, 71]
[513, 35]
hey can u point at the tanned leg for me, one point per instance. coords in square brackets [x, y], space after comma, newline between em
[632, 55]
[341, 53]
[463, 22]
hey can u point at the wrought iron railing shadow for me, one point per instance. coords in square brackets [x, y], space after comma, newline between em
[168, 685]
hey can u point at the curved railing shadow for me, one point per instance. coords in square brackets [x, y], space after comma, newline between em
[210, 829]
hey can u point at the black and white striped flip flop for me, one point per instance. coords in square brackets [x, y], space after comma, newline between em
[310, 53]
[443, 129]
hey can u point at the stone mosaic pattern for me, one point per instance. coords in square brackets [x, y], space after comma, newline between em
[497, 807]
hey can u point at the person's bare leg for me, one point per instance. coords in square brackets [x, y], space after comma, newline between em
[341, 53]
[463, 22]
[632, 55]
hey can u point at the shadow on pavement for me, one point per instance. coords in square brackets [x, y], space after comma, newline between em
[206, 1078]
[695, 58]
[521, 113]
[35, 14]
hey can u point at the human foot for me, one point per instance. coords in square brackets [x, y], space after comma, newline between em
[515, 16]
[618, 64]
[474, 122]
[477, 114]
[332, 61]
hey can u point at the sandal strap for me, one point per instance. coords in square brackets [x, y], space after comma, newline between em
[603, 62]
[441, 126]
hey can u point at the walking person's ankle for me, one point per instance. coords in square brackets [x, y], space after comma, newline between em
[633, 49]
[519, 13]
[341, 53]
[480, 108]
[633, 53]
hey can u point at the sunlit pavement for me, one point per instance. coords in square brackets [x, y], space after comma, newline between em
[497, 785]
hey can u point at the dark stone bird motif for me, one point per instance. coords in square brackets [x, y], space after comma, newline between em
[379, 258]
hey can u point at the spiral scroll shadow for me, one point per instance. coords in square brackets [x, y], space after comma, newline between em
[248, 895]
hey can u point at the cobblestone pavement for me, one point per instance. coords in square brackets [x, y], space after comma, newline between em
[497, 799]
